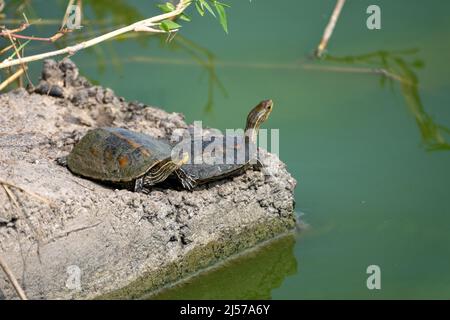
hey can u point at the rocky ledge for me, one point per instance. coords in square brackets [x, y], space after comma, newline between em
[65, 237]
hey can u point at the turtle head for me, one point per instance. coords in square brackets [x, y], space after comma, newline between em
[257, 116]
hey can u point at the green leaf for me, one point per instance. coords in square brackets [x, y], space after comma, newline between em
[207, 6]
[222, 15]
[185, 17]
[223, 4]
[168, 25]
[166, 7]
[200, 10]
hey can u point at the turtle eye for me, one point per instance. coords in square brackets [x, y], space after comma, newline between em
[269, 104]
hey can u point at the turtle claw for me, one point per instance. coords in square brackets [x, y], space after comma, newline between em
[62, 161]
[187, 181]
[258, 166]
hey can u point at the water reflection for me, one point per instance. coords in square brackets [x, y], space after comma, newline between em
[398, 66]
[199, 56]
[206, 59]
[126, 14]
[252, 276]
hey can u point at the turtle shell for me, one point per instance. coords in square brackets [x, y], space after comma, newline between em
[116, 155]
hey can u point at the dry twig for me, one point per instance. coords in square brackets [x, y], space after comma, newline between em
[21, 210]
[12, 279]
[34, 195]
[12, 78]
[330, 28]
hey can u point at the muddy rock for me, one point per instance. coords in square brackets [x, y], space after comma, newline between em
[65, 237]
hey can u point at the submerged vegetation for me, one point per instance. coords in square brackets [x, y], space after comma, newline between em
[394, 66]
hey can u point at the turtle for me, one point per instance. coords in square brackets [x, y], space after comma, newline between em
[124, 158]
[215, 170]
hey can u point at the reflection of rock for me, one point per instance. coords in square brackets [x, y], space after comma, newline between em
[250, 276]
[114, 236]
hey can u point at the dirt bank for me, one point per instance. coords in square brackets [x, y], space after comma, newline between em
[56, 228]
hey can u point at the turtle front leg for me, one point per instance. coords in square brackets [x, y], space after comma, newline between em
[186, 180]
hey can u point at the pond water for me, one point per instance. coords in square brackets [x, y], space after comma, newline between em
[370, 153]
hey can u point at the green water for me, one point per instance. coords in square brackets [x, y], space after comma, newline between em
[371, 155]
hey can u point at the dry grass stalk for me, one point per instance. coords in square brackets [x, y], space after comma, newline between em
[12, 78]
[330, 28]
[10, 275]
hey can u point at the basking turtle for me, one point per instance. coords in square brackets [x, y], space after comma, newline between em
[220, 166]
[125, 158]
